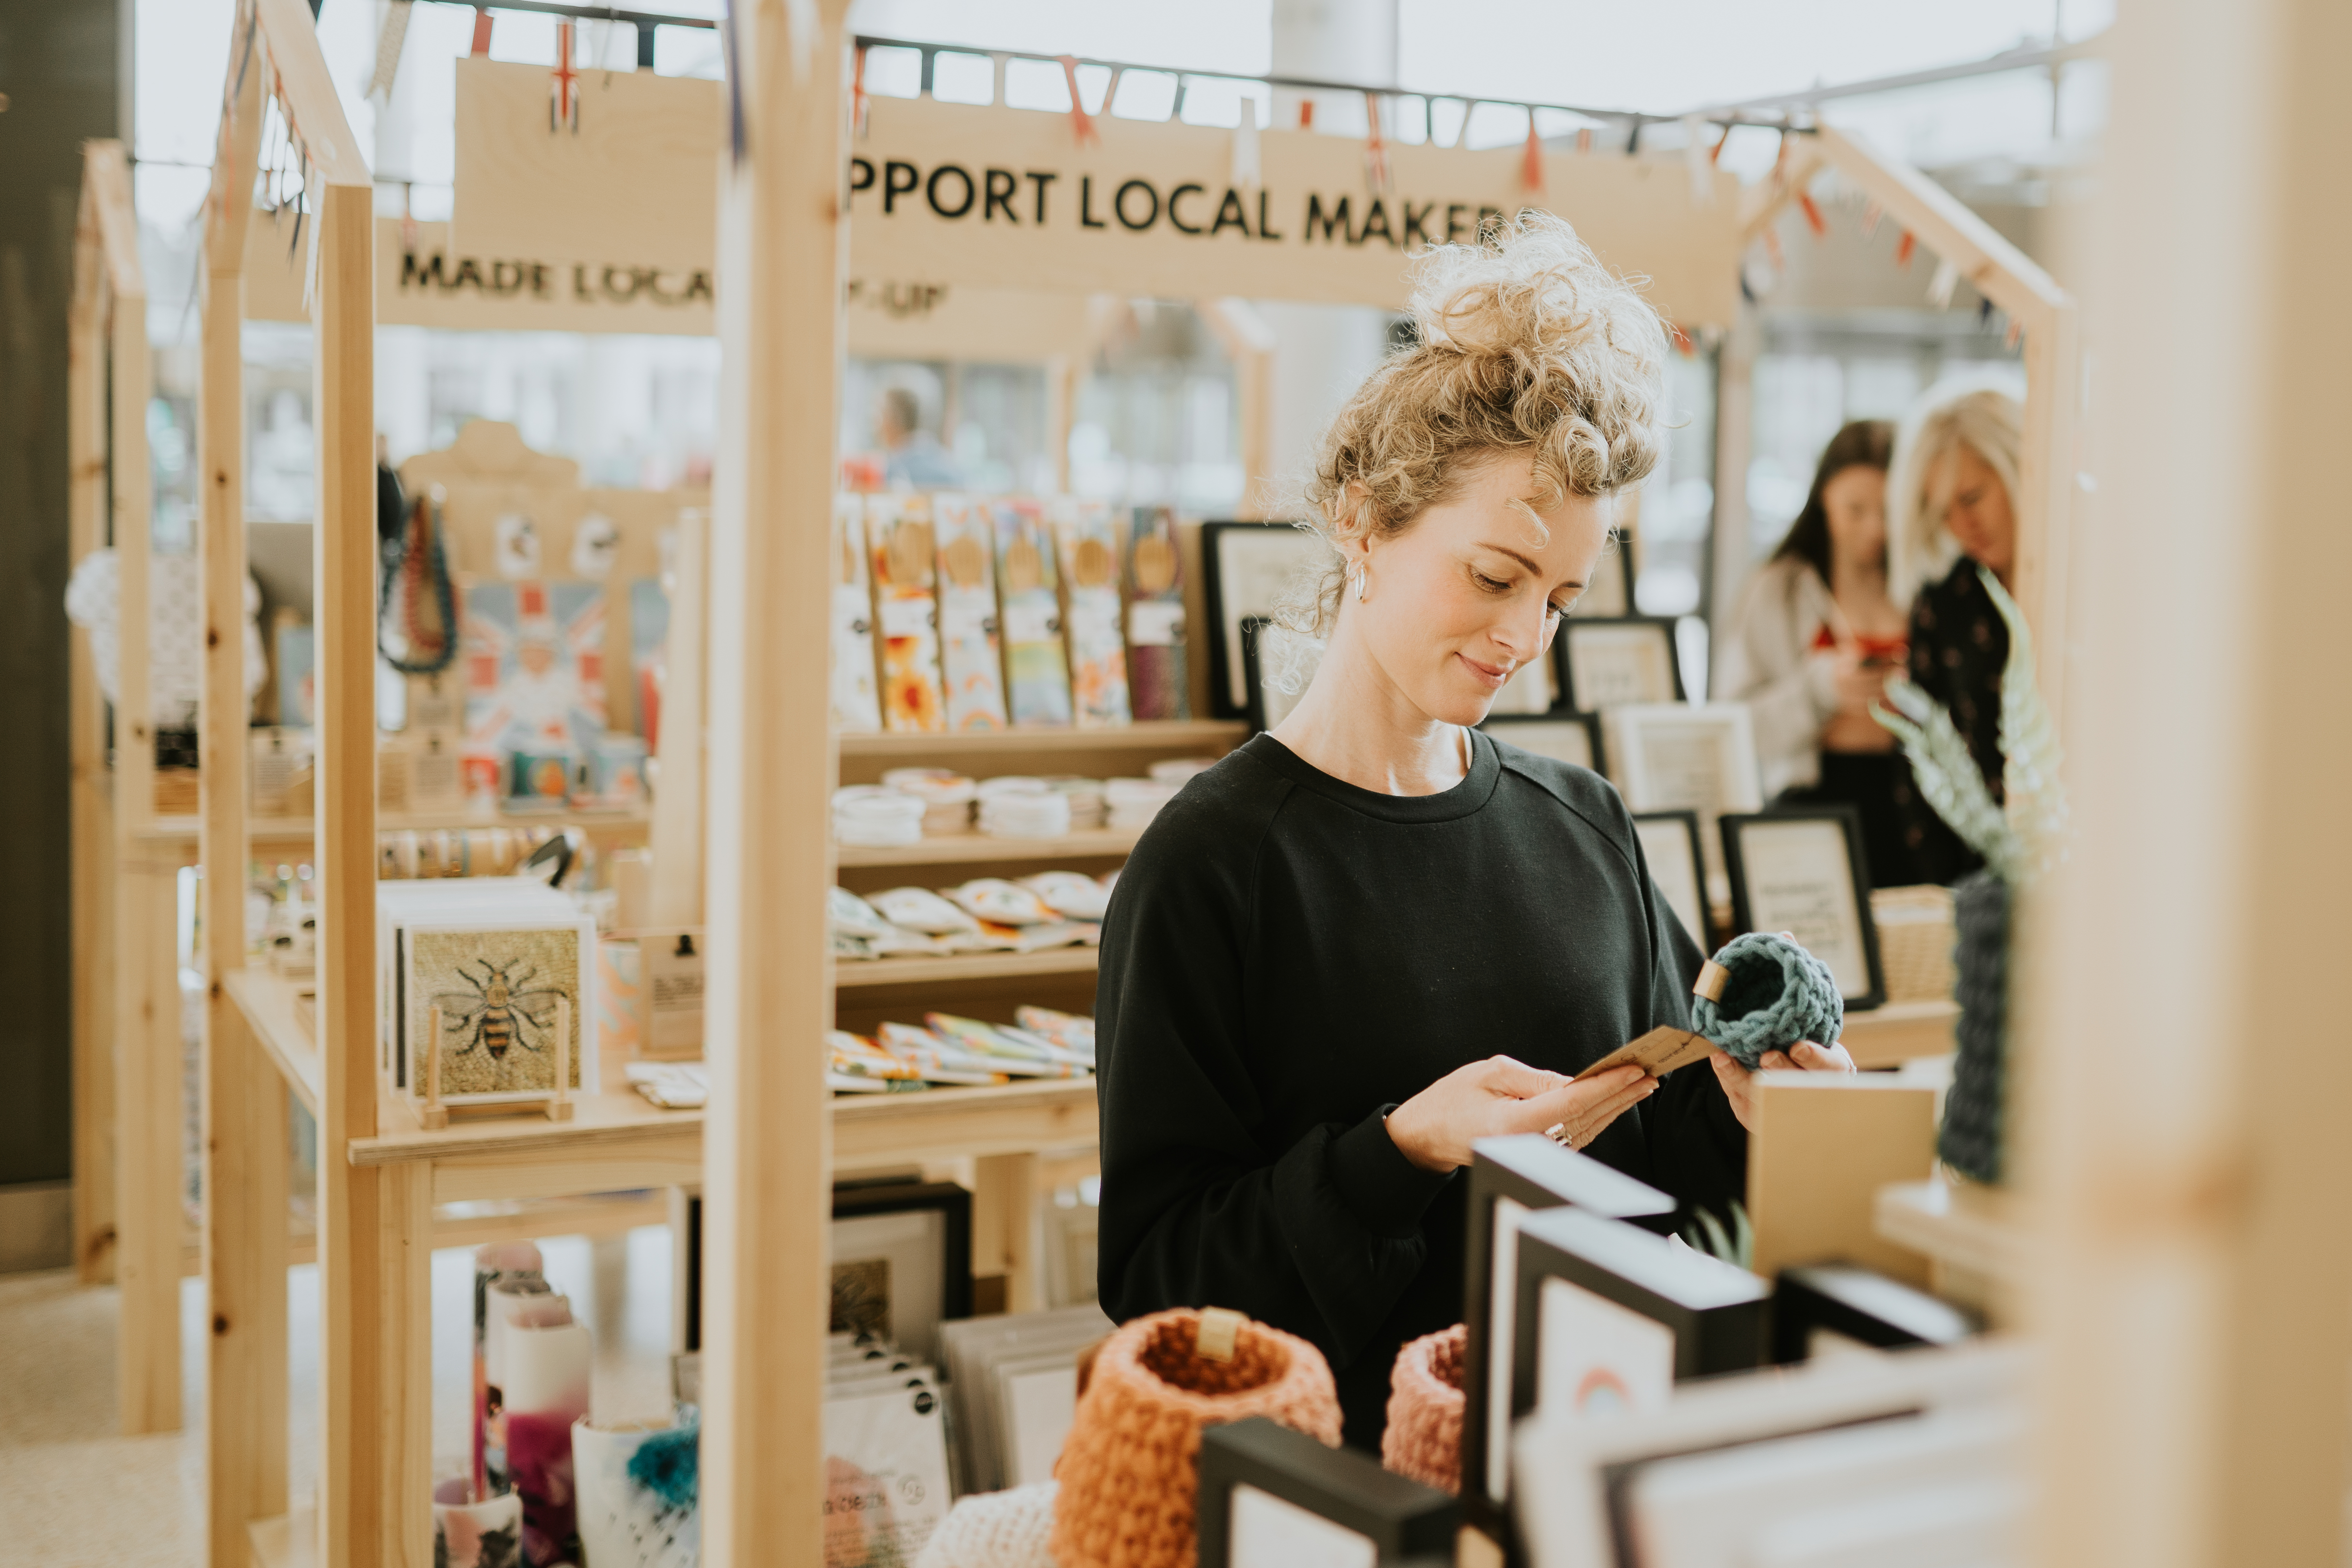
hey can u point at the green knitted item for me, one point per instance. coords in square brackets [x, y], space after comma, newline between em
[1778, 993]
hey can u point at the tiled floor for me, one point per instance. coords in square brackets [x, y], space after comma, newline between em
[77, 1496]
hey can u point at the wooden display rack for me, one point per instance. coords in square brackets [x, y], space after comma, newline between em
[770, 1145]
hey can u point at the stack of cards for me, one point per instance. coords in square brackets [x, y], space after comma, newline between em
[885, 1453]
[1015, 1382]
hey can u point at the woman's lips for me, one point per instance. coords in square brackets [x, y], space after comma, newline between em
[1490, 674]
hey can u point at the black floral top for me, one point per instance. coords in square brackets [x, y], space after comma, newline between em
[1960, 646]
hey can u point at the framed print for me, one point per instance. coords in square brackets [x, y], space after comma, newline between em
[1274, 657]
[1273, 1498]
[1589, 1469]
[1563, 737]
[1672, 845]
[1608, 1318]
[901, 1261]
[1837, 1305]
[902, 546]
[1801, 871]
[1673, 756]
[1245, 568]
[1626, 660]
[1509, 1179]
[1532, 691]
[501, 993]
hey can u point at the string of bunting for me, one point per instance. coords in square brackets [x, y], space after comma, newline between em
[1082, 125]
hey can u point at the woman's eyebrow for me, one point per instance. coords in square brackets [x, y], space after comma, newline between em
[1528, 562]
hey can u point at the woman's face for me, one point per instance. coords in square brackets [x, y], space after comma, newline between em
[1978, 512]
[1473, 588]
[1856, 502]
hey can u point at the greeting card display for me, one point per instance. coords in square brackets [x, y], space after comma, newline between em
[1088, 540]
[1036, 665]
[1159, 684]
[491, 1011]
[899, 540]
[970, 668]
[534, 654]
[856, 706]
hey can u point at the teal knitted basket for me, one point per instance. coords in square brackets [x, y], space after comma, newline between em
[1774, 993]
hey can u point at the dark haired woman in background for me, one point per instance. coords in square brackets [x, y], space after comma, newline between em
[1816, 635]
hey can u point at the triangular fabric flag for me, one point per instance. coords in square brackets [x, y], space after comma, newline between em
[1532, 171]
[1082, 125]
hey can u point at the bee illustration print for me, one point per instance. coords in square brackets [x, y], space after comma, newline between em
[500, 1010]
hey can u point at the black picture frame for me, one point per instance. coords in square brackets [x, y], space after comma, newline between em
[1661, 627]
[852, 1201]
[1688, 822]
[1402, 1517]
[1719, 1314]
[1733, 825]
[1864, 1306]
[1226, 615]
[1615, 575]
[1529, 725]
[1531, 1171]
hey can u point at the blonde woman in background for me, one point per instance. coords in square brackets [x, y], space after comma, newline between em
[1949, 501]
[1815, 637]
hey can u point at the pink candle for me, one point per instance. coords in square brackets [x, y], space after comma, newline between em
[546, 1390]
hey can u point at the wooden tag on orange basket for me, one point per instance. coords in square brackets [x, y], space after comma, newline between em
[1219, 1326]
[1657, 1053]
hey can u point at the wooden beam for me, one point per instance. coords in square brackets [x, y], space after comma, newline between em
[93, 818]
[2180, 1114]
[681, 790]
[244, 1246]
[782, 258]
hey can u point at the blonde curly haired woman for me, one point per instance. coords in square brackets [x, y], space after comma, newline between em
[1318, 947]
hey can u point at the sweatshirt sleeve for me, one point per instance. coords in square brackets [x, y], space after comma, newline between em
[1319, 1237]
[1790, 694]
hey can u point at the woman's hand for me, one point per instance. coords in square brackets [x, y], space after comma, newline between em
[1740, 1084]
[1859, 683]
[1497, 1096]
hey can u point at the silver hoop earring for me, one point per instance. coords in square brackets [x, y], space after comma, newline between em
[1356, 577]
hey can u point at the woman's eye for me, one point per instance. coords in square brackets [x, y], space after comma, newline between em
[1491, 585]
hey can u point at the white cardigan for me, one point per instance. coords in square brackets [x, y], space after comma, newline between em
[1770, 663]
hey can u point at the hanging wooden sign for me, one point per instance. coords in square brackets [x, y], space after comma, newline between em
[945, 194]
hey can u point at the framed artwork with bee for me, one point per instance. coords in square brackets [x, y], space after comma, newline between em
[511, 1003]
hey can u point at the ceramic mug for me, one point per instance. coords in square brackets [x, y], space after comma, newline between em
[638, 1490]
[486, 1534]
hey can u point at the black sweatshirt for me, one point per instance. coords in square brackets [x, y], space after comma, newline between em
[1286, 958]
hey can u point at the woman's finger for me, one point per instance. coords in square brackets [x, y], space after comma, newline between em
[1815, 1057]
[1775, 1061]
[1515, 1079]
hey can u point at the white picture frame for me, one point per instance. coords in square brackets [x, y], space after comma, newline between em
[1676, 756]
[1616, 661]
[1672, 844]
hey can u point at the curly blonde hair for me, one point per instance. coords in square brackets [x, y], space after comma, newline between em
[1525, 343]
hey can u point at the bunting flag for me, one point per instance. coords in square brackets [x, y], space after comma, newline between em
[1082, 125]
[1870, 212]
[857, 94]
[1307, 114]
[1715, 157]
[1940, 287]
[1813, 211]
[481, 32]
[1376, 151]
[1584, 138]
[1695, 162]
[2016, 332]
[1531, 175]
[1249, 173]
[1682, 339]
[563, 84]
[1905, 246]
[407, 222]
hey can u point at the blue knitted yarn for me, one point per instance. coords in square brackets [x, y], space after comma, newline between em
[1778, 993]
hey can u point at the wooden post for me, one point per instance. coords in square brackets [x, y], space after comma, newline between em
[1004, 1225]
[92, 829]
[2182, 1119]
[768, 1132]
[245, 1101]
[680, 794]
[147, 1077]
[558, 1107]
[432, 1113]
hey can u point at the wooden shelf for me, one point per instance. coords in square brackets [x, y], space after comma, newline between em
[1968, 1228]
[957, 848]
[268, 1002]
[301, 829]
[860, 974]
[1152, 735]
[1900, 1032]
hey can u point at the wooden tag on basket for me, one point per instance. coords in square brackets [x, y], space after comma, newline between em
[1657, 1053]
[1219, 1326]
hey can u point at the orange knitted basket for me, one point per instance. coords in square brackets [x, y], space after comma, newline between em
[1129, 1486]
[1424, 1440]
